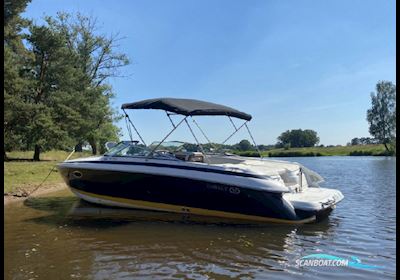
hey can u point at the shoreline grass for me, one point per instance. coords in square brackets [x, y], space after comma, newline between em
[28, 174]
[357, 150]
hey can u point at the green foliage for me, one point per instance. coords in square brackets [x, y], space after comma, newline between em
[371, 153]
[374, 149]
[15, 115]
[360, 153]
[393, 145]
[294, 154]
[298, 138]
[52, 85]
[382, 115]
[286, 146]
[265, 147]
[14, 85]
[56, 93]
[244, 145]
[105, 133]
[363, 141]
[13, 24]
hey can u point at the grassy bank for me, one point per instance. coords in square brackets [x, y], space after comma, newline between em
[28, 174]
[357, 150]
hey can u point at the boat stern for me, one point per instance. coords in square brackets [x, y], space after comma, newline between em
[314, 201]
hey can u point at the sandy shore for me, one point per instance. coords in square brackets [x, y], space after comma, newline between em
[45, 189]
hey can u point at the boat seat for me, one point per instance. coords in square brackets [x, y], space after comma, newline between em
[190, 156]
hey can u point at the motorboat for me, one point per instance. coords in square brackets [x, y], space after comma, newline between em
[196, 179]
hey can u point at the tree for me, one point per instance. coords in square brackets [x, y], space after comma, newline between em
[13, 23]
[265, 147]
[355, 141]
[97, 58]
[298, 138]
[54, 96]
[32, 74]
[244, 145]
[363, 141]
[15, 111]
[56, 93]
[382, 115]
[14, 55]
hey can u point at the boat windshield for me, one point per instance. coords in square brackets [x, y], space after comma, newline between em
[128, 148]
[171, 150]
[134, 149]
[170, 146]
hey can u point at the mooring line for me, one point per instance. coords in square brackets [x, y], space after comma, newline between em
[27, 194]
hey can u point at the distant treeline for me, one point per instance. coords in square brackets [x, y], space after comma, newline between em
[366, 150]
[364, 141]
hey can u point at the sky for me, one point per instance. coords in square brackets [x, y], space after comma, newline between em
[290, 64]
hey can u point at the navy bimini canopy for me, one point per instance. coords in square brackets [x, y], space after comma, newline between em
[187, 107]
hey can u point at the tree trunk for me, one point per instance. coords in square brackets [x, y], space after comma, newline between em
[78, 148]
[36, 155]
[386, 147]
[103, 149]
[94, 147]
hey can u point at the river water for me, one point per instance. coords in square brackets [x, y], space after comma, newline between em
[59, 237]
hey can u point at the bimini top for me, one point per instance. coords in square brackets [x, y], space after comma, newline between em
[187, 107]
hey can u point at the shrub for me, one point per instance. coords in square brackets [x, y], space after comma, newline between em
[386, 153]
[360, 153]
[294, 154]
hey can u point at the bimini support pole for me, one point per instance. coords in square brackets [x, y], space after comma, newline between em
[252, 138]
[137, 132]
[234, 126]
[236, 130]
[202, 132]
[159, 144]
[168, 115]
[197, 141]
[128, 127]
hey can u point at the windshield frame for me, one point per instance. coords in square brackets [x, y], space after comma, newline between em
[114, 152]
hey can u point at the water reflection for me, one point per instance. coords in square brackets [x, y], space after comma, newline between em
[171, 244]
